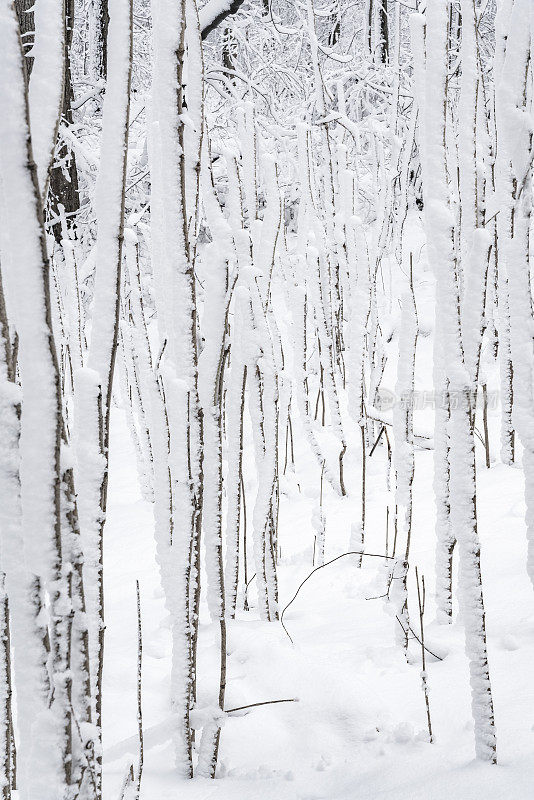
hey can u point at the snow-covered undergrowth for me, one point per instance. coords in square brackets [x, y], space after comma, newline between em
[359, 729]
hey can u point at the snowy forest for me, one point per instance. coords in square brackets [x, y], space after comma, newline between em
[266, 399]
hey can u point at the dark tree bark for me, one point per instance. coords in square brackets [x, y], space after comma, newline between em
[63, 179]
[335, 31]
[64, 188]
[24, 9]
[101, 23]
[233, 7]
[228, 50]
[384, 32]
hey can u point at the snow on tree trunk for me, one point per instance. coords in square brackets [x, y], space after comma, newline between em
[179, 370]
[440, 233]
[403, 455]
[48, 766]
[46, 88]
[514, 180]
[211, 375]
[94, 383]
[445, 540]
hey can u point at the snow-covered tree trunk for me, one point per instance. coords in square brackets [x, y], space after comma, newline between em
[46, 87]
[445, 540]
[514, 179]
[180, 369]
[440, 233]
[502, 185]
[6, 721]
[404, 456]
[211, 381]
[360, 304]
[94, 383]
[49, 770]
[99, 19]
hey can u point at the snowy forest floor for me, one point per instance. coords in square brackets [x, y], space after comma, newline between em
[358, 730]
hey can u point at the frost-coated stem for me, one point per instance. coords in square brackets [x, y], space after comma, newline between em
[404, 450]
[445, 540]
[6, 731]
[93, 449]
[178, 556]
[514, 175]
[46, 88]
[440, 233]
[49, 768]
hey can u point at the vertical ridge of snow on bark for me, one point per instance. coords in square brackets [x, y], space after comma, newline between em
[475, 241]
[360, 304]
[440, 233]
[176, 568]
[109, 204]
[445, 540]
[236, 383]
[215, 316]
[264, 412]
[160, 273]
[134, 409]
[74, 308]
[326, 357]
[109, 199]
[235, 401]
[133, 378]
[331, 257]
[210, 387]
[247, 138]
[503, 222]
[313, 254]
[403, 454]
[179, 370]
[89, 475]
[155, 408]
[473, 322]
[262, 399]
[210, 384]
[46, 88]
[160, 439]
[467, 131]
[514, 133]
[259, 360]
[505, 354]
[270, 226]
[5, 695]
[300, 302]
[211, 364]
[194, 119]
[27, 632]
[24, 250]
[318, 523]
[235, 405]
[137, 365]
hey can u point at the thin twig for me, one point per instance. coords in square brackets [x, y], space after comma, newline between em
[382, 429]
[139, 691]
[424, 678]
[415, 636]
[263, 703]
[128, 780]
[350, 553]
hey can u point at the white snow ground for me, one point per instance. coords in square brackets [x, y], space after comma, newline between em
[358, 730]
